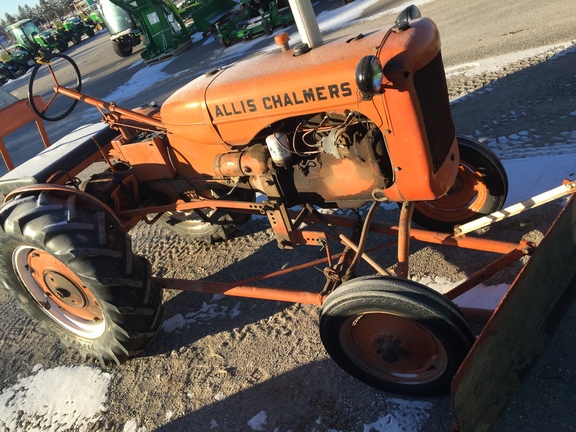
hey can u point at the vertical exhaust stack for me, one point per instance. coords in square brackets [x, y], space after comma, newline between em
[306, 22]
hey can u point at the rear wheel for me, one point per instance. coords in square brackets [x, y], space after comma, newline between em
[225, 40]
[480, 188]
[89, 32]
[122, 48]
[75, 38]
[395, 335]
[193, 227]
[71, 268]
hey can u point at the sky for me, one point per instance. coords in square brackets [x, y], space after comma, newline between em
[11, 7]
[82, 394]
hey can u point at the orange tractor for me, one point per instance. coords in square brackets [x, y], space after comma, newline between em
[351, 123]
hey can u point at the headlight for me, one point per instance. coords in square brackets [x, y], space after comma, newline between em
[369, 76]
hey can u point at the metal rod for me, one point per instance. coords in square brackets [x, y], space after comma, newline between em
[263, 293]
[484, 273]
[543, 198]
[404, 239]
[485, 245]
[326, 220]
[363, 238]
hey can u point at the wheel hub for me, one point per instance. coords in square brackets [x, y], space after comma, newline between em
[62, 286]
[64, 289]
[59, 292]
[391, 348]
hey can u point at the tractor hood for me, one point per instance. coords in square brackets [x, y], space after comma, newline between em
[234, 104]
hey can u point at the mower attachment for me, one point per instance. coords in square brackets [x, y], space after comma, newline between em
[515, 335]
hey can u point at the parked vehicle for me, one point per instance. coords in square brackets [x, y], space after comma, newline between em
[30, 38]
[354, 121]
[125, 33]
[253, 18]
[14, 63]
[75, 26]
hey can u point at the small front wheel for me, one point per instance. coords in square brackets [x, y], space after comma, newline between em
[395, 335]
[61, 45]
[225, 40]
[75, 38]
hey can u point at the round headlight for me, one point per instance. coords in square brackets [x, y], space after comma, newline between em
[369, 76]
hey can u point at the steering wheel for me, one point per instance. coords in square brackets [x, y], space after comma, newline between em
[48, 61]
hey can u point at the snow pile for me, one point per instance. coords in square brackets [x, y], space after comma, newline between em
[55, 399]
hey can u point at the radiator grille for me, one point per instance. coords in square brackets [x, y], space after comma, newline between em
[430, 84]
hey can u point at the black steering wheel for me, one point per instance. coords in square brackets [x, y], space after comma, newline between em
[63, 72]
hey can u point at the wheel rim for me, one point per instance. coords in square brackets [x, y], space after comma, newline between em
[191, 219]
[60, 294]
[393, 348]
[466, 198]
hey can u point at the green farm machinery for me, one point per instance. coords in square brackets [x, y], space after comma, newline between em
[252, 18]
[30, 38]
[154, 23]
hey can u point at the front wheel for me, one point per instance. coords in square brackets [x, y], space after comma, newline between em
[267, 27]
[70, 267]
[61, 45]
[480, 188]
[75, 38]
[395, 335]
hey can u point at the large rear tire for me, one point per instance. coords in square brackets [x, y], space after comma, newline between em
[480, 188]
[395, 335]
[71, 268]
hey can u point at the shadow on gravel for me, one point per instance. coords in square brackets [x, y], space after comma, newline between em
[198, 310]
[318, 395]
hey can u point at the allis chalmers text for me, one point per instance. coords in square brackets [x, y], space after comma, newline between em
[312, 94]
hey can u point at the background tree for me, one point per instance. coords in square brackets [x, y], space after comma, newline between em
[10, 19]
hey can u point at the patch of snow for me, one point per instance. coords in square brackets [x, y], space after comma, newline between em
[258, 421]
[55, 399]
[403, 416]
[140, 81]
[207, 312]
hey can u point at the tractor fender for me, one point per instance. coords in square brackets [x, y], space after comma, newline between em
[63, 191]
